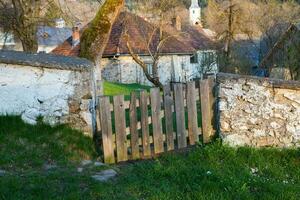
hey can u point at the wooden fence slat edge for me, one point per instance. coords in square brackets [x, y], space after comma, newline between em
[144, 123]
[133, 128]
[106, 127]
[156, 120]
[180, 116]
[168, 102]
[206, 111]
[192, 113]
[120, 125]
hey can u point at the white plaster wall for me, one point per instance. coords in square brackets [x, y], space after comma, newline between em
[45, 48]
[171, 68]
[32, 92]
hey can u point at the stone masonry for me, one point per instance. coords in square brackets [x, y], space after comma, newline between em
[258, 112]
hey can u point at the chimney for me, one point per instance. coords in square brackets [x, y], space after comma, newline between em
[176, 23]
[60, 23]
[75, 36]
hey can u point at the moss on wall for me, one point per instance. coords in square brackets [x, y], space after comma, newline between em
[99, 28]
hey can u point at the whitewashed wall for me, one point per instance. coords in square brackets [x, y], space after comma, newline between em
[58, 95]
[171, 68]
[177, 68]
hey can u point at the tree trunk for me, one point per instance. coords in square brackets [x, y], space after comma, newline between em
[94, 39]
[28, 38]
[154, 78]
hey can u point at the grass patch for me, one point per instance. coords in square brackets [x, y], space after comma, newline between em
[112, 89]
[205, 172]
[211, 172]
[25, 147]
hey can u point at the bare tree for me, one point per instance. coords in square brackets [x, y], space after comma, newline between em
[273, 18]
[155, 38]
[207, 64]
[252, 18]
[154, 44]
[22, 18]
[228, 18]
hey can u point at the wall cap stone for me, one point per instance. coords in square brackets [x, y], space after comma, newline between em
[45, 60]
[274, 83]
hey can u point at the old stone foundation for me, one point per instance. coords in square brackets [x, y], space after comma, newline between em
[258, 112]
[57, 88]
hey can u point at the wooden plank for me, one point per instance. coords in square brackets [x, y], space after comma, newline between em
[144, 123]
[133, 128]
[180, 118]
[127, 103]
[156, 120]
[120, 124]
[168, 102]
[206, 110]
[212, 84]
[192, 113]
[106, 127]
[98, 123]
[99, 88]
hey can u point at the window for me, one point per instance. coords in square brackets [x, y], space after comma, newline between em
[208, 57]
[6, 38]
[194, 59]
[149, 68]
[208, 62]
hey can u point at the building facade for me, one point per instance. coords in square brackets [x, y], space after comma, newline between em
[182, 57]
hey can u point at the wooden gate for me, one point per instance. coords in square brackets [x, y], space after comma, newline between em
[149, 124]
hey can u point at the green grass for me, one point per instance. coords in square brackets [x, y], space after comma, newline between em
[210, 172]
[24, 146]
[112, 89]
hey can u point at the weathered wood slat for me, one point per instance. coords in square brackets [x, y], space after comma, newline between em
[176, 101]
[127, 103]
[212, 98]
[192, 113]
[98, 123]
[120, 125]
[156, 120]
[133, 128]
[144, 123]
[99, 88]
[106, 127]
[180, 117]
[168, 102]
[151, 138]
[206, 110]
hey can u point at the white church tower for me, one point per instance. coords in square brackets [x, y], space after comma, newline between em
[195, 13]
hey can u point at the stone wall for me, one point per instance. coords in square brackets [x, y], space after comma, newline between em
[57, 88]
[258, 112]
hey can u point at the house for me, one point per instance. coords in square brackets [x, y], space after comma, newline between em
[181, 55]
[48, 37]
[8, 41]
[283, 56]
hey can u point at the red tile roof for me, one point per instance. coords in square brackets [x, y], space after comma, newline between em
[139, 32]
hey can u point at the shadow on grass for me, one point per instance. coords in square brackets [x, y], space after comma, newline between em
[27, 146]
